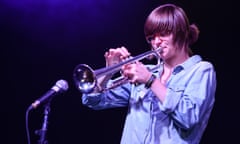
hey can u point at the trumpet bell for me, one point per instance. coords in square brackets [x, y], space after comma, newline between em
[84, 78]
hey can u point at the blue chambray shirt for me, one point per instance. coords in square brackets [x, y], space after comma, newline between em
[180, 119]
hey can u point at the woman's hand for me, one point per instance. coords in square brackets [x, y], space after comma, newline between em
[116, 55]
[136, 72]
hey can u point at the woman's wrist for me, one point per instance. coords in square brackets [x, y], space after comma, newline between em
[150, 81]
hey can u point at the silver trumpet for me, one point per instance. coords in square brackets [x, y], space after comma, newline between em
[85, 78]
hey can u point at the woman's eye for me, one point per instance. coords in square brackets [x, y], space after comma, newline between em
[150, 38]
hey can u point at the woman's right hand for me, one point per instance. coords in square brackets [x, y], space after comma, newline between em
[116, 55]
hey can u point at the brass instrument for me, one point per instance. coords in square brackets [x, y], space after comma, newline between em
[85, 77]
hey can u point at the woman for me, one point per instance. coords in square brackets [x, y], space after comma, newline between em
[171, 104]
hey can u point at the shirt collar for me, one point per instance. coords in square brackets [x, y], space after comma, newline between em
[188, 63]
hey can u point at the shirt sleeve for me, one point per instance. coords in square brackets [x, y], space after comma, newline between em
[117, 97]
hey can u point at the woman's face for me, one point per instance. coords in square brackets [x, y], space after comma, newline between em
[165, 43]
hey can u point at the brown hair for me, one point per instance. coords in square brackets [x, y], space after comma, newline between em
[171, 19]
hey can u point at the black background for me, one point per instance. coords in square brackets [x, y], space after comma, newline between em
[42, 42]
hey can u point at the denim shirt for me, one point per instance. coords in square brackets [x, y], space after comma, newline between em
[180, 119]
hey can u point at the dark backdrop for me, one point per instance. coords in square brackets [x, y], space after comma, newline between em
[42, 42]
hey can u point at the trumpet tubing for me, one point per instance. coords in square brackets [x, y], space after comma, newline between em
[85, 78]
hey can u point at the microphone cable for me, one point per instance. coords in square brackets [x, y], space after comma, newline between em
[27, 128]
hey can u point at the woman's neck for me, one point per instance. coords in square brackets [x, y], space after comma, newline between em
[176, 60]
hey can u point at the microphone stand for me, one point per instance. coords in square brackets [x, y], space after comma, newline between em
[42, 132]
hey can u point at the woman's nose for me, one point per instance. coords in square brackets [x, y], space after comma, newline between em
[156, 41]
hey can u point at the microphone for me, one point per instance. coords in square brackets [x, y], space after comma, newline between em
[60, 87]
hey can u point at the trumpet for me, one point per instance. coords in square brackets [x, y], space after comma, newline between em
[86, 79]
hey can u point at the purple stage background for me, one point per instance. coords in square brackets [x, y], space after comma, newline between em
[43, 40]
